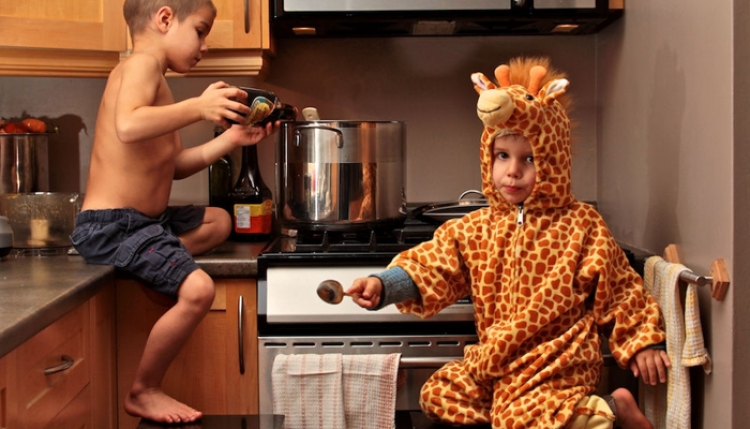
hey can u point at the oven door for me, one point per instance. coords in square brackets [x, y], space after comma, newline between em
[421, 356]
[292, 319]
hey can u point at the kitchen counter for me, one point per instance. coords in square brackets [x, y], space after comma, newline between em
[37, 290]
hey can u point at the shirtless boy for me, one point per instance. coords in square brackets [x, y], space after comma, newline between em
[125, 219]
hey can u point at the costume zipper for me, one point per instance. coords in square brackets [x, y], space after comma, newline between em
[517, 250]
[519, 231]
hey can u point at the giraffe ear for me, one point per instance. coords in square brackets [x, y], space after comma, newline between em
[481, 82]
[554, 89]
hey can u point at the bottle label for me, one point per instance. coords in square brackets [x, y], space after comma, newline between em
[253, 218]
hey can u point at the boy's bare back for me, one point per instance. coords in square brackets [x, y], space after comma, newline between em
[135, 174]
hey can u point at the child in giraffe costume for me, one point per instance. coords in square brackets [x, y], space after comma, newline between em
[543, 270]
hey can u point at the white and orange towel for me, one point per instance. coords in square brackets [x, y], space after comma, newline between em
[334, 391]
[668, 406]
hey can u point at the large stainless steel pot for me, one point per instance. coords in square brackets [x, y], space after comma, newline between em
[340, 175]
[23, 163]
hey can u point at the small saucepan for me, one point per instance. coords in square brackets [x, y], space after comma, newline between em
[441, 212]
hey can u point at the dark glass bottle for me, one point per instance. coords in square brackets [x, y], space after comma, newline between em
[220, 181]
[219, 178]
[250, 202]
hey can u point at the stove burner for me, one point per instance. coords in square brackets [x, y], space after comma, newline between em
[373, 240]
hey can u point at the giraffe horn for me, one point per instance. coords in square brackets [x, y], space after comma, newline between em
[536, 74]
[502, 74]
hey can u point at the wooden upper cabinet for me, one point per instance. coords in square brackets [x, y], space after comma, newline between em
[61, 37]
[239, 42]
[87, 38]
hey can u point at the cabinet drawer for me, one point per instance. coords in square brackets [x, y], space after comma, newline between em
[62, 351]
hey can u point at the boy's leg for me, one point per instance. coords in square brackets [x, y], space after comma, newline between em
[214, 230]
[168, 336]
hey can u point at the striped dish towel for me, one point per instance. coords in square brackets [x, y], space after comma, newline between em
[668, 407]
[307, 391]
[694, 352]
[370, 390]
[334, 391]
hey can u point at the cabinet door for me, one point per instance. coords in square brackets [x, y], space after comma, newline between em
[206, 373]
[103, 389]
[61, 37]
[49, 370]
[239, 42]
[239, 24]
[4, 399]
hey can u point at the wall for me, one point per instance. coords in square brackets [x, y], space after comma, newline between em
[665, 159]
[422, 81]
[741, 295]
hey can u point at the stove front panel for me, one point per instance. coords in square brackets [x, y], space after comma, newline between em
[289, 295]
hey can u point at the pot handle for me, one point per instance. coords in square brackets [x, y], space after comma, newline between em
[298, 133]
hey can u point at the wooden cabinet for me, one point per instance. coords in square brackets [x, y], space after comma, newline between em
[207, 373]
[49, 380]
[61, 37]
[240, 40]
[87, 38]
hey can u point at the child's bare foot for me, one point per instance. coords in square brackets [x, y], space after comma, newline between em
[158, 406]
[629, 416]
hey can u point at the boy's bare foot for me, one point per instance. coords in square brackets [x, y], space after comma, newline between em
[158, 406]
[629, 416]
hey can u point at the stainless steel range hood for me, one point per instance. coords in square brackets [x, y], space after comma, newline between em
[366, 18]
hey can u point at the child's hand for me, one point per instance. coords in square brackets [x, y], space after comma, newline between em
[243, 135]
[366, 291]
[651, 365]
[220, 102]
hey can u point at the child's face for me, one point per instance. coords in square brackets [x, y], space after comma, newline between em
[188, 38]
[513, 171]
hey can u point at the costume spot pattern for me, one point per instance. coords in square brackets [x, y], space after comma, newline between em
[543, 285]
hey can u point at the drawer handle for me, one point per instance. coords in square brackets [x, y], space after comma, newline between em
[241, 336]
[67, 363]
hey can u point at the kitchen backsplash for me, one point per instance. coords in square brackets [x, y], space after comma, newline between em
[422, 81]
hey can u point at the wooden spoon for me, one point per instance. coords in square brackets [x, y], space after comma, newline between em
[331, 291]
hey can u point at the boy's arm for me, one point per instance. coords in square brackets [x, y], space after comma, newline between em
[145, 109]
[195, 159]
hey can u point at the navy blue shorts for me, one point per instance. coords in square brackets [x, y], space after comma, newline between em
[148, 248]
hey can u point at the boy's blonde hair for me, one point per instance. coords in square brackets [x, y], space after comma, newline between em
[138, 12]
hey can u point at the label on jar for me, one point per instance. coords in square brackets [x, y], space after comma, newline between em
[253, 218]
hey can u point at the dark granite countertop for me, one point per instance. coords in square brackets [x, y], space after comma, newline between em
[35, 291]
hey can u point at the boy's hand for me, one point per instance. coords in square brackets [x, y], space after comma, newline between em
[366, 291]
[243, 135]
[651, 365]
[220, 102]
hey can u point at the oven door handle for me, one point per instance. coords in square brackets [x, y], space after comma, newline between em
[425, 362]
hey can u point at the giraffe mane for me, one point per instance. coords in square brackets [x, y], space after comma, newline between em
[520, 69]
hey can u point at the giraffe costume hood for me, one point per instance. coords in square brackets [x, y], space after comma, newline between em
[545, 278]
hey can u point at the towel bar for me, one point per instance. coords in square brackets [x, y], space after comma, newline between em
[718, 278]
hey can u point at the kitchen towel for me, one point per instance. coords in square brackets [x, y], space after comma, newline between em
[334, 391]
[307, 391]
[668, 406]
[370, 390]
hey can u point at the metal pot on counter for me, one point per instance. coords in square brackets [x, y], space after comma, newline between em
[340, 175]
[24, 163]
[41, 220]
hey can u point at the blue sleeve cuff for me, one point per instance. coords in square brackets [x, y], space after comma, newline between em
[397, 287]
